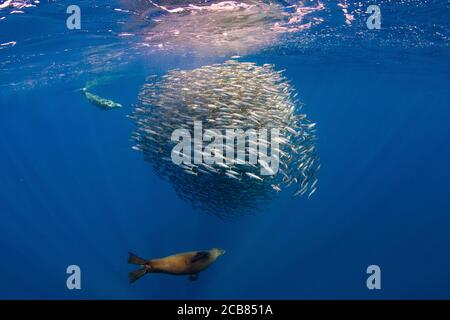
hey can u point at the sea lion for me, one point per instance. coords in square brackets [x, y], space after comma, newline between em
[102, 103]
[187, 263]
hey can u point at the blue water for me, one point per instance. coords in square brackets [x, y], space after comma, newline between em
[73, 192]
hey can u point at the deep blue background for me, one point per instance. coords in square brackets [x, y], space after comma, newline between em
[73, 192]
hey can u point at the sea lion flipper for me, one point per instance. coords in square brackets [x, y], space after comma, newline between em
[135, 275]
[134, 259]
[193, 276]
[200, 255]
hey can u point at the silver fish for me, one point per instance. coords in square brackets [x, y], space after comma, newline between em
[232, 95]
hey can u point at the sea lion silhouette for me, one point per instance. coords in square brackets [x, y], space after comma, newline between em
[187, 263]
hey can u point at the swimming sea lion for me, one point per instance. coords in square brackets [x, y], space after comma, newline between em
[102, 103]
[187, 263]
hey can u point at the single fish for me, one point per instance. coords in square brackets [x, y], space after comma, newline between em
[253, 176]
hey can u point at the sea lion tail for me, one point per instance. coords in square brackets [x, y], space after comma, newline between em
[135, 275]
[134, 259]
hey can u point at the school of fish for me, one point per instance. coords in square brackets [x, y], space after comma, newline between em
[240, 95]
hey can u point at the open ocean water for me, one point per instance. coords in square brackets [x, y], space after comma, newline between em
[73, 192]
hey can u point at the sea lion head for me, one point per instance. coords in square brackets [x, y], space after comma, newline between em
[216, 252]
